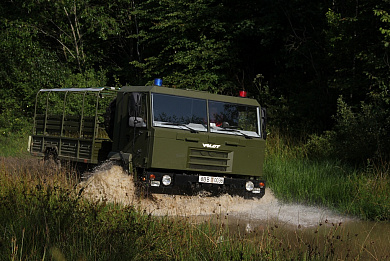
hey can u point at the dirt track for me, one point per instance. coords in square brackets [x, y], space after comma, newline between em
[112, 184]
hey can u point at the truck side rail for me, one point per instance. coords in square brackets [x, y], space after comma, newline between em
[69, 126]
[74, 126]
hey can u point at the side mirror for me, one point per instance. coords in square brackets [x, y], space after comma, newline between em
[264, 122]
[136, 122]
[225, 124]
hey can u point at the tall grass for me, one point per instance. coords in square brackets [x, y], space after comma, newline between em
[42, 217]
[295, 178]
[13, 145]
[14, 133]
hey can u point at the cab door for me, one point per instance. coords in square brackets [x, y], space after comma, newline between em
[130, 132]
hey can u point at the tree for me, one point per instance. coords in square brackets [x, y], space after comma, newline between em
[358, 49]
[186, 43]
[31, 61]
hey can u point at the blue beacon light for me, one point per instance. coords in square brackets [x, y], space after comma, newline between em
[158, 82]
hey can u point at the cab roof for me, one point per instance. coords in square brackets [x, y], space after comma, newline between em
[190, 93]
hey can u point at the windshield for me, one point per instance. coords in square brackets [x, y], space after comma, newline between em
[233, 118]
[180, 112]
[172, 111]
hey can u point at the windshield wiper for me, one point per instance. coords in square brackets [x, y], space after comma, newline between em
[180, 125]
[238, 131]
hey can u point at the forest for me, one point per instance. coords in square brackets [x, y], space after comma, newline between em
[321, 68]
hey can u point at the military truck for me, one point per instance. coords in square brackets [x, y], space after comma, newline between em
[173, 141]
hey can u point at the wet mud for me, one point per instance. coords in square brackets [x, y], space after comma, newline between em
[297, 225]
[110, 183]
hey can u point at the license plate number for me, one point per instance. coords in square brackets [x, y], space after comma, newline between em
[212, 180]
[256, 190]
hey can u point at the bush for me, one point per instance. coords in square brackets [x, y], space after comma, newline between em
[11, 124]
[321, 146]
[357, 136]
[14, 133]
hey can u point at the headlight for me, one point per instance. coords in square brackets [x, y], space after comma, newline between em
[166, 180]
[249, 186]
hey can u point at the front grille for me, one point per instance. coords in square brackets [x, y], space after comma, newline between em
[200, 159]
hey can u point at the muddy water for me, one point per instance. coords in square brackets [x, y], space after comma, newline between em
[349, 240]
[291, 222]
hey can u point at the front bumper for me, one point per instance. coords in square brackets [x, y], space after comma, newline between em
[188, 184]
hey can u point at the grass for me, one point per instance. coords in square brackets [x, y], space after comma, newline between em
[13, 145]
[42, 217]
[294, 177]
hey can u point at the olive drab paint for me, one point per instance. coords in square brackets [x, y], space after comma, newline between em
[167, 139]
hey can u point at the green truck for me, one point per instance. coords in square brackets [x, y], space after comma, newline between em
[173, 141]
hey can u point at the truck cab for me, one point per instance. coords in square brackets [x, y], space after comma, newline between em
[184, 141]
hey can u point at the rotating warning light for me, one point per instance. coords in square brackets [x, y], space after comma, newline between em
[243, 93]
[158, 82]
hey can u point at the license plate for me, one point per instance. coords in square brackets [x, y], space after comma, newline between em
[256, 190]
[212, 180]
[155, 183]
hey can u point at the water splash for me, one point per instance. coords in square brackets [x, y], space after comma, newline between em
[110, 183]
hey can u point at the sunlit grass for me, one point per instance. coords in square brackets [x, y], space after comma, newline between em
[294, 177]
[42, 217]
[13, 145]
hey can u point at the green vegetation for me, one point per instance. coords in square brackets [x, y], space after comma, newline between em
[294, 177]
[14, 136]
[42, 217]
[321, 69]
[14, 145]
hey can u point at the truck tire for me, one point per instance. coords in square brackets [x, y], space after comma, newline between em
[51, 161]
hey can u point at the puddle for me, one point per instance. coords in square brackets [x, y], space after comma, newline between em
[292, 223]
[111, 183]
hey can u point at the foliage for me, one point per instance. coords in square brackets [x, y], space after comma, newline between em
[26, 67]
[187, 44]
[44, 218]
[321, 146]
[297, 58]
[358, 135]
[364, 134]
[293, 177]
[372, 192]
[14, 145]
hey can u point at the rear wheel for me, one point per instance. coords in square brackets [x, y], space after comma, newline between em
[51, 161]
